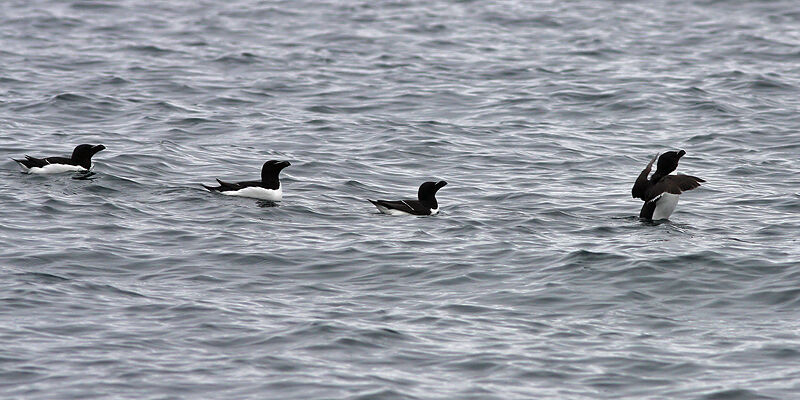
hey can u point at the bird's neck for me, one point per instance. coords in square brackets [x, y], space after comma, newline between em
[430, 202]
[271, 182]
[85, 163]
[658, 175]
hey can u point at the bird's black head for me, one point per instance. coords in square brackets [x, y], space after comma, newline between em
[272, 168]
[83, 154]
[427, 191]
[668, 162]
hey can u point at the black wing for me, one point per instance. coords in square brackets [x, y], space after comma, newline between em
[60, 160]
[31, 162]
[675, 184]
[640, 186]
[230, 186]
[409, 206]
[223, 186]
[242, 185]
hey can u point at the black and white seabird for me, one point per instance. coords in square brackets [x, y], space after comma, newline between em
[81, 160]
[268, 188]
[660, 192]
[426, 205]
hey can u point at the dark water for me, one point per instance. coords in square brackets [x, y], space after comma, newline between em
[536, 281]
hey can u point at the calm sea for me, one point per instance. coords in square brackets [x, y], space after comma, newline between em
[536, 281]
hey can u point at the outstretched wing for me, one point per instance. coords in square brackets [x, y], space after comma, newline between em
[675, 184]
[639, 187]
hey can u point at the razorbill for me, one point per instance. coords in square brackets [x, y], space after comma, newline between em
[426, 205]
[660, 192]
[268, 188]
[81, 160]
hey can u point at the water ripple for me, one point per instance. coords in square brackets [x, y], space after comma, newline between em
[536, 280]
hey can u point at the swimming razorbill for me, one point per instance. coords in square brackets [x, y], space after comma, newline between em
[426, 205]
[660, 192]
[81, 160]
[268, 188]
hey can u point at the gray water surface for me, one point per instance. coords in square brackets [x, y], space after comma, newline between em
[536, 281]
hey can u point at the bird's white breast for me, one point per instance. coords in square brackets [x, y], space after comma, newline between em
[665, 205]
[55, 169]
[257, 193]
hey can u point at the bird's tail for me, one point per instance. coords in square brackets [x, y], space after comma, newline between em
[22, 164]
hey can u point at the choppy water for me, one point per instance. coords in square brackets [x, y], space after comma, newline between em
[536, 281]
